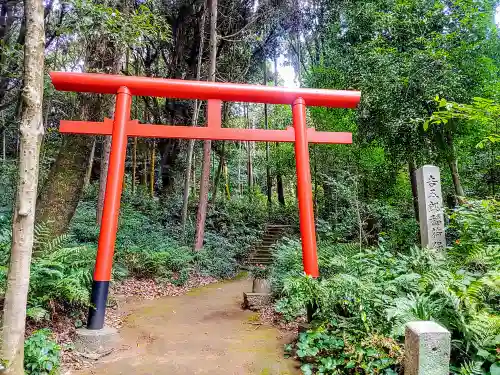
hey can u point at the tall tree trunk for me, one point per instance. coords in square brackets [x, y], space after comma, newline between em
[207, 145]
[106, 150]
[61, 193]
[269, 182]
[194, 122]
[413, 181]
[281, 190]
[218, 175]
[90, 165]
[62, 190]
[31, 130]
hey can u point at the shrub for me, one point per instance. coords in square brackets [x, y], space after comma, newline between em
[330, 349]
[376, 291]
[41, 354]
[161, 264]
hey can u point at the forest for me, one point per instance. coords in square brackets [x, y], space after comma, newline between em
[428, 72]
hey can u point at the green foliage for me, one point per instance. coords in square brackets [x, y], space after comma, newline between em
[92, 20]
[171, 264]
[41, 354]
[376, 291]
[8, 171]
[483, 112]
[331, 349]
[260, 271]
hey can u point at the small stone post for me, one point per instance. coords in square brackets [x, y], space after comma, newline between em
[427, 349]
[430, 204]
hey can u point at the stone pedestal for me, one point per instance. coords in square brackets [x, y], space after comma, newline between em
[256, 301]
[427, 349]
[261, 286]
[95, 343]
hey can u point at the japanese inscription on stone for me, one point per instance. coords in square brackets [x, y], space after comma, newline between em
[430, 204]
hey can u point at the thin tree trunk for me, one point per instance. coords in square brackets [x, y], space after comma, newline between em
[269, 182]
[134, 165]
[31, 131]
[279, 178]
[240, 188]
[145, 169]
[90, 165]
[207, 145]
[453, 164]
[193, 186]
[4, 146]
[315, 196]
[152, 171]
[413, 181]
[249, 156]
[196, 111]
[226, 177]
[134, 149]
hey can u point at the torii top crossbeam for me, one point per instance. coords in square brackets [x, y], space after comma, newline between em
[122, 126]
[181, 89]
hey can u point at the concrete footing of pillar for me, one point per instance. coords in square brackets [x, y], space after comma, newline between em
[97, 343]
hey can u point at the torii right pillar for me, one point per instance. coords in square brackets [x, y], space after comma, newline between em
[304, 190]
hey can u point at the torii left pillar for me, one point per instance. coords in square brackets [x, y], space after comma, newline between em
[111, 210]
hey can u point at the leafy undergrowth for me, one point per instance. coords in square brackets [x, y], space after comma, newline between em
[365, 297]
[61, 327]
[153, 258]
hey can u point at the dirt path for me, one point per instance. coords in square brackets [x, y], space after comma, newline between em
[202, 332]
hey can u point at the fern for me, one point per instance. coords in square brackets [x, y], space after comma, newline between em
[472, 368]
[485, 257]
[45, 242]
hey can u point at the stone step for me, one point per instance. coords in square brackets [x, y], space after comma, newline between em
[261, 264]
[265, 247]
[269, 241]
[261, 256]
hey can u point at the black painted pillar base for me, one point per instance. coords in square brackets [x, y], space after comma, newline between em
[97, 307]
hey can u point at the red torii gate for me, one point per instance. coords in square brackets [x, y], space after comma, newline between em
[122, 127]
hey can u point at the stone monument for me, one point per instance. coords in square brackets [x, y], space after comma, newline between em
[430, 205]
